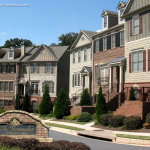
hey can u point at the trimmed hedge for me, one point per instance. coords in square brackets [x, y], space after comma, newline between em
[104, 119]
[33, 144]
[84, 117]
[148, 118]
[116, 121]
[133, 122]
[70, 117]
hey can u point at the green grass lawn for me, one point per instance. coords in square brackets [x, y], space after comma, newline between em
[64, 126]
[133, 137]
[6, 148]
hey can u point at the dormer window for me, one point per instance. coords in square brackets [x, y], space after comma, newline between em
[11, 53]
[105, 22]
[121, 12]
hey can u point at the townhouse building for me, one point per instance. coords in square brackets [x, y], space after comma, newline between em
[137, 53]
[31, 69]
[80, 65]
[109, 57]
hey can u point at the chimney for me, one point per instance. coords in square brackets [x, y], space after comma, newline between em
[22, 49]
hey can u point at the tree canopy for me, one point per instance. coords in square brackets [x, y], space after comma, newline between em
[16, 42]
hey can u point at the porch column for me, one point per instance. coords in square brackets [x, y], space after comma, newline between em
[83, 82]
[24, 89]
[110, 78]
[121, 78]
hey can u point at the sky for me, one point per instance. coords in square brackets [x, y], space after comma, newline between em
[43, 21]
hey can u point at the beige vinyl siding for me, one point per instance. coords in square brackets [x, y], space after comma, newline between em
[137, 4]
[137, 76]
[145, 29]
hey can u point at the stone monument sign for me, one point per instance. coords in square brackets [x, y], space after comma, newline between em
[20, 124]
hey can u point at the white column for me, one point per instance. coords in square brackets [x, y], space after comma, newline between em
[110, 78]
[121, 78]
[24, 89]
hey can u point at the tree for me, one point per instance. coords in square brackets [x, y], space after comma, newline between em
[62, 105]
[101, 107]
[85, 98]
[17, 102]
[26, 102]
[132, 95]
[46, 105]
[16, 42]
[67, 39]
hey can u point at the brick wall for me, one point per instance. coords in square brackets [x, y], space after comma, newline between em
[42, 131]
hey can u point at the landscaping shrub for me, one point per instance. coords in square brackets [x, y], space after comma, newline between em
[50, 115]
[132, 95]
[101, 107]
[2, 111]
[46, 105]
[146, 125]
[62, 105]
[26, 102]
[17, 102]
[94, 116]
[85, 98]
[104, 119]
[84, 117]
[148, 118]
[116, 121]
[133, 122]
[70, 117]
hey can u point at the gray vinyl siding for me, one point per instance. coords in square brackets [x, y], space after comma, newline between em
[137, 4]
[112, 21]
[146, 29]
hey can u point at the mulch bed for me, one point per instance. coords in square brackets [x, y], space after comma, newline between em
[117, 129]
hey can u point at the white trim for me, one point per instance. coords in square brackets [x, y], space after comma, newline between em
[137, 40]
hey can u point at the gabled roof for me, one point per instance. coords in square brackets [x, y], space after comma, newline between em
[86, 69]
[88, 34]
[108, 12]
[129, 4]
[121, 4]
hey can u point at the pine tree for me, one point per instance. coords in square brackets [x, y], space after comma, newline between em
[101, 106]
[46, 105]
[85, 98]
[17, 102]
[62, 105]
[132, 96]
[26, 102]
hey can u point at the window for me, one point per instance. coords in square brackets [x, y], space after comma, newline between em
[12, 68]
[113, 41]
[97, 46]
[79, 56]
[76, 80]
[137, 61]
[136, 24]
[82, 38]
[74, 60]
[105, 22]
[3, 68]
[122, 38]
[24, 69]
[6, 86]
[104, 75]
[96, 73]
[34, 68]
[85, 55]
[11, 54]
[1, 86]
[105, 43]
[49, 68]
[1, 103]
[34, 88]
[11, 86]
[50, 85]
[121, 12]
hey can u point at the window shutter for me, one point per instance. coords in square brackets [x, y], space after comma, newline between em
[144, 61]
[141, 24]
[73, 81]
[149, 60]
[52, 87]
[131, 27]
[31, 68]
[109, 42]
[117, 39]
[94, 46]
[101, 45]
[130, 63]
[43, 86]
[37, 68]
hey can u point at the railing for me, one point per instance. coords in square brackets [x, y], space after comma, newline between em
[140, 93]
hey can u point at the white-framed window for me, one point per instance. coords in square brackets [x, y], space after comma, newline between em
[34, 68]
[121, 38]
[105, 22]
[24, 69]
[137, 61]
[6, 86]
[74, 57]
[96, 73]
[79, 56]
[113, 41]
[76, 80]
[104, 74]
[35, 88]
[97, 45]
[10, 86]
[85, 54]
[49, 68]
[50, 85]
[121, 12]
[136, 24]
[11, 53]
[105, 43]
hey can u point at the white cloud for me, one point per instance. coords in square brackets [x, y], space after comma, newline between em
[3, 34]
